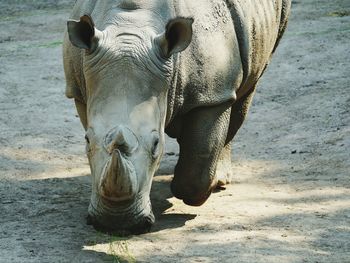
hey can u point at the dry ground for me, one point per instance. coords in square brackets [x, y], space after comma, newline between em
[290, 201]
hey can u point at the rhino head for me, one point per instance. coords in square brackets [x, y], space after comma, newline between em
[127, 71]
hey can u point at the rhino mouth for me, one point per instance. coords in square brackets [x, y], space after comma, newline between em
[121, 219]
[141, 227]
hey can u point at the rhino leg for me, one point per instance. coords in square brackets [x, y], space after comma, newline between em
[238, 113]
[81, 109]
[202, 138]
[224, 167]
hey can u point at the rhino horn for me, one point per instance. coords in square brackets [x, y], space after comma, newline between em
[119, 181]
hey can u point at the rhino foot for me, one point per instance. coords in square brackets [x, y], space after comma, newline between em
[224, 178]
[224, 172]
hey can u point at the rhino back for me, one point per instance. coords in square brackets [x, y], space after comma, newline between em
[259, 26]
[210, 69]
[232, 43]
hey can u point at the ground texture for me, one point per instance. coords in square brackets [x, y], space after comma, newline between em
[290, 200]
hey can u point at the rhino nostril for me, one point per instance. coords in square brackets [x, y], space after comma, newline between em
[124, 148]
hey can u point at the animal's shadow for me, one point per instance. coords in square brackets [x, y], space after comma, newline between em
[35, 210]
[160, 193]
[159, 197]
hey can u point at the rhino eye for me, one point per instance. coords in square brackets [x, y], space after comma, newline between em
[155, 148]
[87, 148]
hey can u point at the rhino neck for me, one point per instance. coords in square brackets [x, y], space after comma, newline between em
[173, 103]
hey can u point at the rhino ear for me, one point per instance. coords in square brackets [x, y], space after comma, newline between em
[83, 33]
[177, 36]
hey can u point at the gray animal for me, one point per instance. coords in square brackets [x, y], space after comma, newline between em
[139, 68]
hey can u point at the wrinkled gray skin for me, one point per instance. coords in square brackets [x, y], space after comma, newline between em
[138, 68]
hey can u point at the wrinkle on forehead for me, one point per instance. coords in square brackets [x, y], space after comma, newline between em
[139, 18]
[129, 51]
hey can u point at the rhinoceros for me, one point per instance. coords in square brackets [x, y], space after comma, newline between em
[138, 69]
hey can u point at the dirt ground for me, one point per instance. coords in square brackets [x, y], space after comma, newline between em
[290, 201]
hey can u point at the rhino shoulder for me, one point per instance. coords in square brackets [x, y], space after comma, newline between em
[285, 12]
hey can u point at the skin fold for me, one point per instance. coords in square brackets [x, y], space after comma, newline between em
[137, 69]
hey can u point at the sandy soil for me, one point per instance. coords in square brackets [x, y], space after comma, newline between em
[290, 201]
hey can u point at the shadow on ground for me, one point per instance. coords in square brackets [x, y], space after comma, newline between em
[57, 207]
[37, 209]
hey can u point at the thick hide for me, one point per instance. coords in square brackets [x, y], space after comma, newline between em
[138, 68]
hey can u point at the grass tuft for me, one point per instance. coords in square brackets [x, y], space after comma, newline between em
[51, 44]
[341, 13]
[119, 250]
